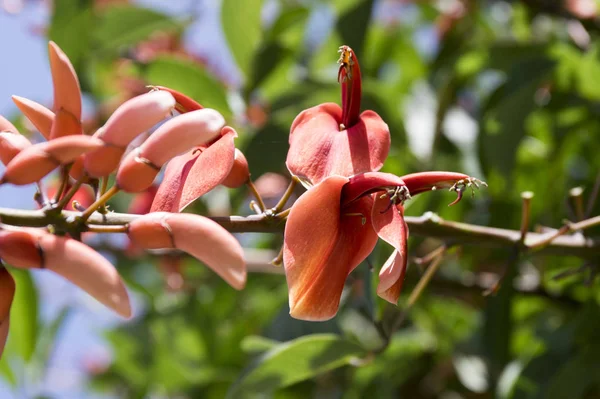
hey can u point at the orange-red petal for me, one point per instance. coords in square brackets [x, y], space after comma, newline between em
[11, 144]
[389, 224]
[67, 94]
[323, 243]
[191, 175]
[41, 117]
[319, 149]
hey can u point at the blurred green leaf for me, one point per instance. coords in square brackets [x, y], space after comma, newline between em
[506, 111]
[189, 78]
[295, 361]
[121, 26]
[242, 27]
[71, 27]
[257, 344]
[352, 25]
[24, 325]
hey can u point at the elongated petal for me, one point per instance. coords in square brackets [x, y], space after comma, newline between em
[322, 245]
[139, 168]
[67, 94]
[200, 237]
[389, 224]
[65, 124]
[7, 292]
[41, 117]
[186, 104]
[73, 260]
[319, 149]
[427, 181]
[132, 118]
[367, 183]
[6, 126]
[10, 145]
[190, 176]
[36, 161]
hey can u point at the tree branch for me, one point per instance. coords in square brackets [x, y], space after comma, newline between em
[428, 225]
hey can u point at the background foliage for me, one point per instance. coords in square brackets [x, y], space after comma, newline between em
[505, 91]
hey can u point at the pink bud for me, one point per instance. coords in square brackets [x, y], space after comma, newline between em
[10, 145]
[198, 236]
[240, 171]
[73, 260]
[36, 161]
[139, 168]
[6, 126]
[186, 104]
[132, 118]
[41, 117]
[67, 94]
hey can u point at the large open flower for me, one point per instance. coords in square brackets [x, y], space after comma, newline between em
[334, 226]
[328, 140]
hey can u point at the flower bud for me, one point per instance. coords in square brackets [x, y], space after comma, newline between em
[240, 172]
[73, 260]
[10, 145]
[186, 104]
[196, 235]
[67, 94]
[139, 168]
[41, 117]
[132, 118]
[36, 161]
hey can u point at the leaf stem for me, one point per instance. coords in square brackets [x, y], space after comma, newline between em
[99, 202]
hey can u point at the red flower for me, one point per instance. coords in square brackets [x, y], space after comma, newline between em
[328, 140]
[334, 226]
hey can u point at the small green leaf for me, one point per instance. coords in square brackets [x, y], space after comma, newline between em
[190, 79]
[24, 314]
[242, 27]
[126, 25]
[296, 361]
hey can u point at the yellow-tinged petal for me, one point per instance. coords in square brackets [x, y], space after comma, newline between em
[323, 243]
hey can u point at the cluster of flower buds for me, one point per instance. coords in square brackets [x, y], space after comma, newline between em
[195, 141]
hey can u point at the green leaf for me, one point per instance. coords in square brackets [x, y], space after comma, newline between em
[506, 111]
[257, 344]
[190, 79]
[24, 315]
[71, 27]
[242, 27]
[125, 25]
[296, 361]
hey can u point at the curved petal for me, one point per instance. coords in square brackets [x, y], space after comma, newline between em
[200, 237]
[132, 118]
[41, 117]
[239, 173]
[7, 126]
[195, 173]
[4, 325]
[322, 245]
[36, 161]
[426, 181]
[367, 183]
[7, 292]
[184, 101]
[319, 149]
[73, 260]
[390, 226]
[64, 124]
[11, 144]
[178, 135]
[67, 94]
